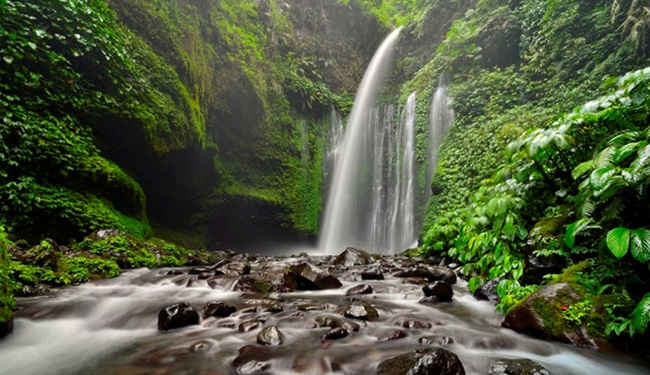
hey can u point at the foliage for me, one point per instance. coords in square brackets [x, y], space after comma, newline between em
[7, 302]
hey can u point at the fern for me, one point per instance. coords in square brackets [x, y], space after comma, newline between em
[582, 168]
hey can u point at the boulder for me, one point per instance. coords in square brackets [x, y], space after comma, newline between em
[336, 333]
[488, 291]
[439, 289]
[270, 335]
[412, 324]
[353, 257]
[177, 316]
[540, 315]
[252, 360]
[361, 311]
[395, 334]
[432, 273]
[435, 340]
[517, 367]
[303, 277]
[422, 362]
[248, 325]
[333, 322]
[218, 309]
[535, 268]
[359, 289]
[372, 274]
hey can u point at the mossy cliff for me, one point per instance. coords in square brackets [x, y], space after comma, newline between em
[213, 112]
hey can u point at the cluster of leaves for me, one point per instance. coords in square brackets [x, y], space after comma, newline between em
[393, 12]
[590, 167]
[7, 302]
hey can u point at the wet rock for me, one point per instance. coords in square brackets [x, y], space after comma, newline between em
[372, 274]
[270, 335]
[106, 233]
[540, 315]
[439, 289]
[6, 328]
[177, 316]
[218, 309]
[488, 291]
[275, 307]
[435, 340]
[333, 322]
[353, 257]
[535, 268]
[248, 326]
[392, 335]
[431, 274]
[204, 275]
[304, 277]
[336, 333]
[199, 270]
[307, 363]
[361, 311]
[252, 360]
[414, 281]
[422, 362]
[359, 289]
[413, 324]
[236, 268]
[517, 367]
[201, 346]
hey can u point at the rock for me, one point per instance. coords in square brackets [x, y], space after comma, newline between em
[359, 289]
[361, 311]
[392, 335]
[440, 290]
[488, 291]
[414, 281]
[540, 315]
[372, 274]
[201, 346]
[218, 309]
[252, 360]
[6, 328]
[106, 233]
[177, 316]
[422, 362]
[413, 324]
[248, 326]
[270, 335]
[353, 257]
[517, 367]
[535, 268]
[432, 273]
[199, 270]
[275, 306]
[336, 333]
[436, 340]
[303, 277]
[236, 268]
[307, 363]
[332, 322]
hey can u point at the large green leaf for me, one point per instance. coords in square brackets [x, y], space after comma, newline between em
[618, 241]
[640, 244]
[600, 177]
[582, 168]
[574, 228]
[641, 315]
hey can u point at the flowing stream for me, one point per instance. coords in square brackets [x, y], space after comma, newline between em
[109, 328]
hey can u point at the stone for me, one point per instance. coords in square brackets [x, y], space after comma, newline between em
[275, 306]
[431, 273]
[422, 362]
[336, 333]
[236, 268]
[303, 277]
[392, 335]
[353, 257]
[359, 289]
[372, 274]
[517, 367]
[435, 340]
[412, 324]
[270, 335]
[333, 322]
[540, 315]
[248, 326]
[201, 346]
[439, 289]
[361, 311]
[218, 309]
[252, 360]
[414, 281]
[177, 316]
[488, 291]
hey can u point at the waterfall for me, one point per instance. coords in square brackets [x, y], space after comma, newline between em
[346, 203]
[441, 119]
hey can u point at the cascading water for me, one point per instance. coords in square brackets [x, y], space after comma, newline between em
[441, 118]
[345, 204]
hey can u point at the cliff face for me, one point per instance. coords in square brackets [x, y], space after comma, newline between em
[211, 111]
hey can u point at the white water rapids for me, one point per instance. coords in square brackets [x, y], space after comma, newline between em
[109, 328]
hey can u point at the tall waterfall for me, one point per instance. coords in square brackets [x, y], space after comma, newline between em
[347, 201]
[440, 120]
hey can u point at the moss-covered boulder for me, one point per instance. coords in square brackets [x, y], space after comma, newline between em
[561, 312]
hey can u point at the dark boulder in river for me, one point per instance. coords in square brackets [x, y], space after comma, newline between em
[270, 335]
[177, 316]
[422, 362]
[434, 273]
[361, 311]
[359, 289]
[440, 290]
[488, 291]
[218, 309]
[353, 257]
[517, 367]
[304, 277]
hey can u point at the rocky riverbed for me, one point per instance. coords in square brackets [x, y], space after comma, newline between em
[347, 314]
